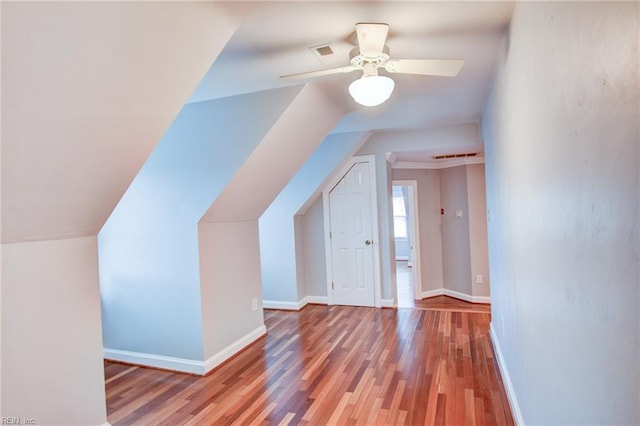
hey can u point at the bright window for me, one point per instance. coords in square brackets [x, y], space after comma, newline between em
[399, 214]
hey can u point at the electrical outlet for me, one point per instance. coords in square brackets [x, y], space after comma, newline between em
[479, 279]
[254, 303]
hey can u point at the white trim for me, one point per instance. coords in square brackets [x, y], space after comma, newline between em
[287, 306]
[375, 235]
[437, 164]
[295, 306]
[468, 298]
[402, 258]
[182, 364]
[153, 360]
[432, 293]
[388, 303]
[106, 424]
[455, 294]
[318, 300]
[506, 378]
[220, 357]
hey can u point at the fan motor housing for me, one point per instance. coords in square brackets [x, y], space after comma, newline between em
[359, 60]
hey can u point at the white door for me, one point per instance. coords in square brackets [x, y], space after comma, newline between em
[352, 247]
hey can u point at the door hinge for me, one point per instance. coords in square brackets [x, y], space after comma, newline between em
[332, 286]
[330, 235]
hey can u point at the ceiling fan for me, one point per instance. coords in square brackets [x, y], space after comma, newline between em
[372, 53]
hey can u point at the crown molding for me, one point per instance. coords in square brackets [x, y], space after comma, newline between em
[437, 164]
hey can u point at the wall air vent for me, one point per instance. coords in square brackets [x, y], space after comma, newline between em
[450, 156]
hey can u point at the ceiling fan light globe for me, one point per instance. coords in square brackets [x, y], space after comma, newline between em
[371, 90]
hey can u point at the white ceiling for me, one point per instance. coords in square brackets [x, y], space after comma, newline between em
[275, 39]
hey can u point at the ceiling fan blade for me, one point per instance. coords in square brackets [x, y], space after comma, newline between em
[319, 73]
[371, 38]
[437, 67]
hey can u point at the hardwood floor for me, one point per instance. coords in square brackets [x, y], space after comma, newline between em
[406, 288]
[331, 365]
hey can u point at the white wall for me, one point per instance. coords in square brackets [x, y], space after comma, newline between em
[230, 268]
[149, 268]
[562, 168]
[278, 247]
[52, 356]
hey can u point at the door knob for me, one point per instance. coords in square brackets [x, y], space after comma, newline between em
[368, 242]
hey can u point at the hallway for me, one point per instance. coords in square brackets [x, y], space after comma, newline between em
[406, 293]
[406, 289]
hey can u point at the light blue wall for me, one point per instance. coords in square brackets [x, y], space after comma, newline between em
[148, 248]
[562, 171]
[277, 233]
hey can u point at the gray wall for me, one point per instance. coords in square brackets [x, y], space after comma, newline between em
[428, 182]
[478, 251]
[562, 161]
[315, 262]
[456, 254]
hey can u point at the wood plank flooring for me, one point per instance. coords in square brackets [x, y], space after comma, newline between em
[331, 365]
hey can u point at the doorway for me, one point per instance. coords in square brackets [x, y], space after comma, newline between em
[406, 238]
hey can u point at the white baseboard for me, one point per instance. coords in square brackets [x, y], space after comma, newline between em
[455, 294]
[153, 360]
[388, 303]
[217, 359]
[468, 298]
[318, 300]
[506, 378]
[182, 364]
[432, 293]
[295, 306]
[287, 306]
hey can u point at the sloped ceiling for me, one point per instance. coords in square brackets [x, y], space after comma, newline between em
[275, 39]
[89, 88]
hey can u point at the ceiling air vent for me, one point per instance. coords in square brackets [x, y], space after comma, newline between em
[450, 156]
[322, 50]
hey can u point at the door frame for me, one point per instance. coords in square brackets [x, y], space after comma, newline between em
[415, 234]
[375, 234]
